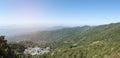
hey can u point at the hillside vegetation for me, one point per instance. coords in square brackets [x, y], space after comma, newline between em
[78, 42]
[50, 38]
[98, 42]
[6, 51]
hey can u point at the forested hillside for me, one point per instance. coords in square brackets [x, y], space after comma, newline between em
[78, 42]
[47, 37]
[99, 42]
[6, 51]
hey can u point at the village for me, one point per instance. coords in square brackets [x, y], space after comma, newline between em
[37, 51]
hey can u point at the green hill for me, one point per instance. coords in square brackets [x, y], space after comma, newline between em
[98, 42]
[80, 42]
[47, 37]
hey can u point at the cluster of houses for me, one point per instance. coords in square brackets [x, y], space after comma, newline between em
[37, 51]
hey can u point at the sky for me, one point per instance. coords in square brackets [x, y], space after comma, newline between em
[58, 12]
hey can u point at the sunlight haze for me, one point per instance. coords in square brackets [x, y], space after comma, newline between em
[58, 12]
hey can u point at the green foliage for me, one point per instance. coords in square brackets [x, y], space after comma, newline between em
[79, 42]
[97, 42]
[5, 50]
[50, 38]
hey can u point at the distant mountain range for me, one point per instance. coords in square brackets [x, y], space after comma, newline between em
[10, 31]
[52, 34]
[73, 34]
[58, 33]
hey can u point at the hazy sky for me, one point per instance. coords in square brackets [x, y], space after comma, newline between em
[59, 12]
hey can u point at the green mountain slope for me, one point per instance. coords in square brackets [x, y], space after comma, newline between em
[80, 42]
[99, 42]
[52, 36]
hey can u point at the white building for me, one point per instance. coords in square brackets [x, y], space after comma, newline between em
[36, 51]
